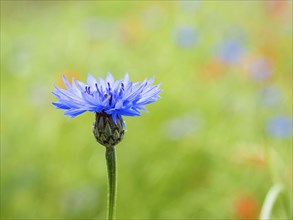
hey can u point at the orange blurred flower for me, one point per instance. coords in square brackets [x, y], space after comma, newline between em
[214, 69]
[246, 207]
[69, 75]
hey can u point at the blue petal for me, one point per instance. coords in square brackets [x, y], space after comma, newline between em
[60, 105]
[110, 79]
[116, 98]
[67, 84]
[74, 112]
[91, 81]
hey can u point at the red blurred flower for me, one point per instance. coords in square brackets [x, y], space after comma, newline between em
[246, 207]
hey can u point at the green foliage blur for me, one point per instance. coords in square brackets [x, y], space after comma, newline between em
[211, 147]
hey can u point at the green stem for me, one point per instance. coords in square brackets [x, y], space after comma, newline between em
[111, 166]
[270, 201]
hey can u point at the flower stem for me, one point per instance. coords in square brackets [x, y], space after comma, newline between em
[270, 201]
[111, 166]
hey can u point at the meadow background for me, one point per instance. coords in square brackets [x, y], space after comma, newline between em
[212, 147]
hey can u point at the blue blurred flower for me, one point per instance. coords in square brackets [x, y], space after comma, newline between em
[186, 36]
[181, 127]
[230, 51]
[270, 96]
[279, 126]
[116, 98]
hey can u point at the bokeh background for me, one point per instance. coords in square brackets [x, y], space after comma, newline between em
[212, 147]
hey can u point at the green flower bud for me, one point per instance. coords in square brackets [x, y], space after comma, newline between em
[106, 131]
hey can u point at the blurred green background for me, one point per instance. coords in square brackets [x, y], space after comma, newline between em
[212, 147]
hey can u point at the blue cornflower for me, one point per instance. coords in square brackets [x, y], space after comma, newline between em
[109, 100]
[186, 36]
[230, 51]
[280, 126]
[116, 98]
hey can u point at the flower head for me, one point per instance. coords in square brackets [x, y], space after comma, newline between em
[280, 126]
[186, 36]
[116, 98]
[230, 51]
[109, 100]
